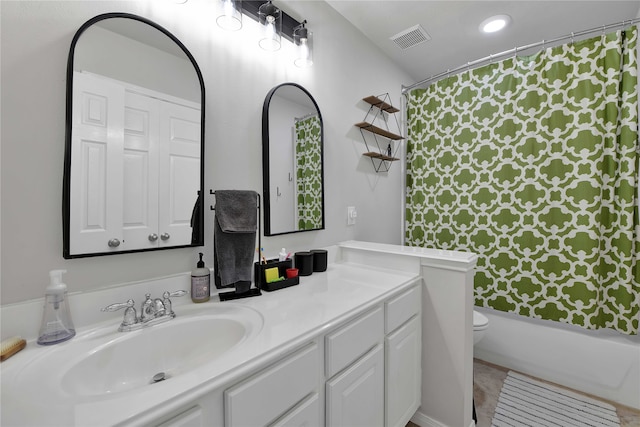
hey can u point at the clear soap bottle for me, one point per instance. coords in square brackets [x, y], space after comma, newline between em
[56, 319]
[200, 282]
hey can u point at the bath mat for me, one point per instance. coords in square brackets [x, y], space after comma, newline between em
[524, 401]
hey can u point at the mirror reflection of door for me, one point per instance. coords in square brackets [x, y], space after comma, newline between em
[135, 140]
[292, 161]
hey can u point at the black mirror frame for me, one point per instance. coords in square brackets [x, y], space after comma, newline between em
[265, 160]
[198, 239]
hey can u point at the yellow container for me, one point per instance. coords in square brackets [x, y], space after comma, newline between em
[272, 275]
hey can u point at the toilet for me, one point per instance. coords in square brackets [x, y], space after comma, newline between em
[480, 325]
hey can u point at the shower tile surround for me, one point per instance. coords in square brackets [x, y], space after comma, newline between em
[353, 283]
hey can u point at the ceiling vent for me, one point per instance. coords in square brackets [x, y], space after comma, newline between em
[411, 37]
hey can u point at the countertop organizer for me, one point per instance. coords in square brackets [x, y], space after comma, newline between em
[376, 126]
[282, 266]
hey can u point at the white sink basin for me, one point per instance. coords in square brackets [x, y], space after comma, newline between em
[106, 362]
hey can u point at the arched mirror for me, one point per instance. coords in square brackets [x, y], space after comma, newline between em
[134, 155]
[292, 161]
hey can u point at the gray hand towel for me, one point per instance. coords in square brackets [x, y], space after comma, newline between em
[235, 235]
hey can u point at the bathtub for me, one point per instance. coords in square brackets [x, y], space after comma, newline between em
[602, 363]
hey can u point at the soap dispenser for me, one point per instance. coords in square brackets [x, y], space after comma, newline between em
[200, 282]
[56, 320]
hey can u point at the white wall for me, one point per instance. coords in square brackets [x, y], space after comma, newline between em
[35, 40]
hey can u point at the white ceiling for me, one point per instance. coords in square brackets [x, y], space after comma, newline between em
[453, 27]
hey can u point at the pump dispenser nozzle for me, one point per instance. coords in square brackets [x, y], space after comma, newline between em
[56, 320]
[200, 263]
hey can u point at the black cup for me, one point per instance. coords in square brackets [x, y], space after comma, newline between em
[319, 260]
[304, 263]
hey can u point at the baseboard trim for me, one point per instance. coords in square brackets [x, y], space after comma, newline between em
[425, 421]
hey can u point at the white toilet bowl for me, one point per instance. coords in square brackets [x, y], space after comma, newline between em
[480, 325]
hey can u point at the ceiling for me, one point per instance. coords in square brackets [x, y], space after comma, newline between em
[453, 27]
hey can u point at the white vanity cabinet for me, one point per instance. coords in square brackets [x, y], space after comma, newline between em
[371, 366]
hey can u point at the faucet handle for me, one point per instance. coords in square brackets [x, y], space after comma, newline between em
[179, 293]
[119, 305]
[167, 302]
[130, 316]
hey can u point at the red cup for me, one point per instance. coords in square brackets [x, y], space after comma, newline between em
[292, 272]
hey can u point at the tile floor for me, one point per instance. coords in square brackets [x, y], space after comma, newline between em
[488, 380]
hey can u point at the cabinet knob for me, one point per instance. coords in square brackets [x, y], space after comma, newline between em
[165, 236]
[153, 237]
[114, 243]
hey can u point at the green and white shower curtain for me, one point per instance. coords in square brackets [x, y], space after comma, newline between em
[308, 173]
[532, 163]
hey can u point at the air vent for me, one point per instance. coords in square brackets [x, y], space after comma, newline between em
[411, 37]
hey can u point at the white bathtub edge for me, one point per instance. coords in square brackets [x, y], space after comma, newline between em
[600, 363]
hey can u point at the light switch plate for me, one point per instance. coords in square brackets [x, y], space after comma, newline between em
[352, 214]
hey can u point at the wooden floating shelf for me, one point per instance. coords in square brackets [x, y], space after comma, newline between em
[377, 102]
[378, 131]
[380, 156]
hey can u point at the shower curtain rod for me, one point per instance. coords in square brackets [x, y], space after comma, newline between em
[305, 116]
[515, 50]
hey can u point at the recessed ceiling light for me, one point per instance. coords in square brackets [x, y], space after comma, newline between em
[495, 23]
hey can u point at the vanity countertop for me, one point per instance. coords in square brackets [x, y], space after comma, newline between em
[291, 317]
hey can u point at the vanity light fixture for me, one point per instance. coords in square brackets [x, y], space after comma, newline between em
[270, 18]
[303, 39]
[230, 17]
[495, 23]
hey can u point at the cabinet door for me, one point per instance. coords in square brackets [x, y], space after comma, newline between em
[355, 398]
[403, 373]
[95, 212]
[179, 173]
[140, 189]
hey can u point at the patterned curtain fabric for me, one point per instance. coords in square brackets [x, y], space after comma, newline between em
[532, 163]
[308, 173]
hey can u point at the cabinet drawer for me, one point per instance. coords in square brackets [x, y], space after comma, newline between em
[190, 418]
[402, 308]
[347, 344]
[264, 397]
[307, 413]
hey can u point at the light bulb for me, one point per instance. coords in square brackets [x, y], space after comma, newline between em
[231, 19]
[270, 40]
[304, 57]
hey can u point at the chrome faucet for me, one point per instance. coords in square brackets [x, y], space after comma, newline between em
[152, 311]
